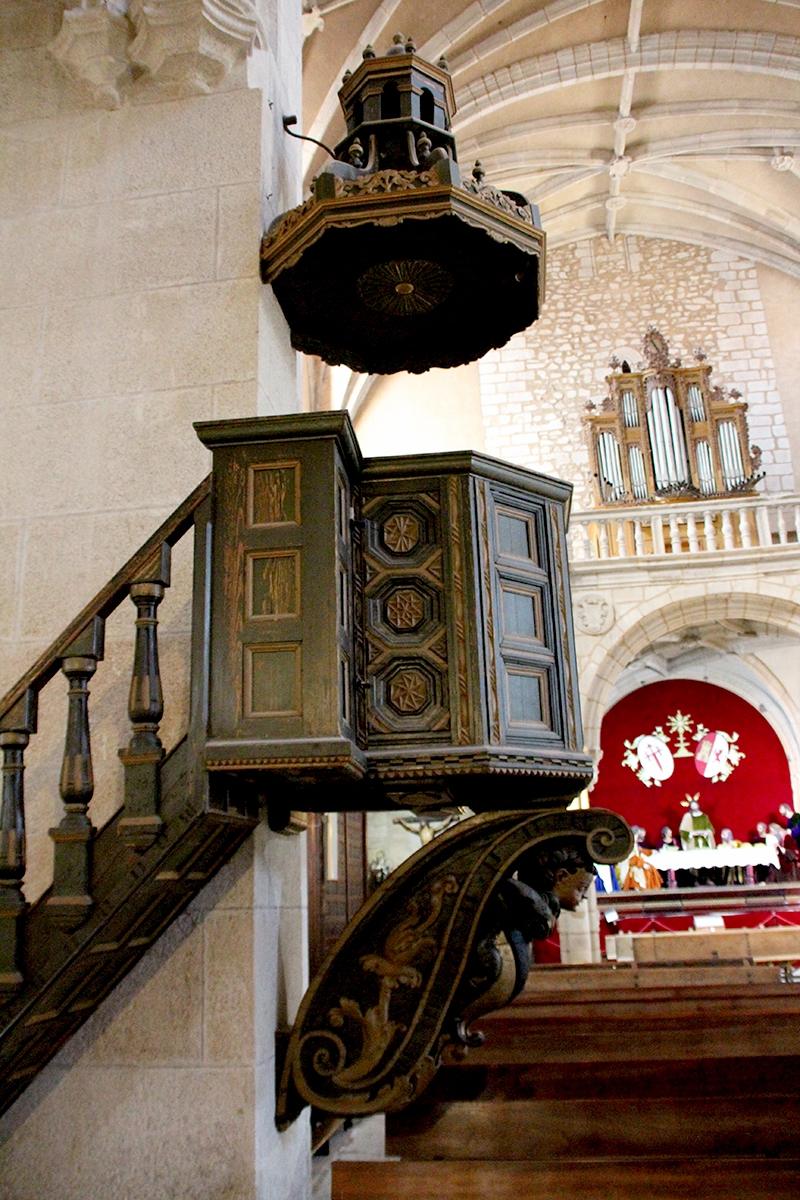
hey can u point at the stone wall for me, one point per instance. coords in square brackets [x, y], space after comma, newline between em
[129, 309]
[600, 301]
[169, 1089]
[130, 306]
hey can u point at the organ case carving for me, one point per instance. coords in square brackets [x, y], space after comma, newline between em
[663, 432]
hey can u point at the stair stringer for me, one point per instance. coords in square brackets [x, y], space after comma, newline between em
[137, 896]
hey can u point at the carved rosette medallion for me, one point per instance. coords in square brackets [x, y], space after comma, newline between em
[408, 691]
[401, 533]
[405, 609]
[404, 288]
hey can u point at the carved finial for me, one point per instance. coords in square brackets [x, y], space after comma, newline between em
[423, 145]
[347, 74]
[613, 362]
[368, 52]
[411, 46]
[734, 394]
[656, 349]
[398, 45]
[443, 64]
[478, 172]
[356, 153]
[699, 354]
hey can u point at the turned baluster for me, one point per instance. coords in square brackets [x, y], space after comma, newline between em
[744, 529]
[588, 547]
[15, 731]
[709, 530]
[783, 533]
[140, 823]
[676, 546]
[691, 532]
[605, 550]
[638, 537]
[70, 901]
[622, 544]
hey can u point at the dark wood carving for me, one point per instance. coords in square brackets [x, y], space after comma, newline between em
[68, 973]
[71, 901]
[62, 956]
[140, 823]
[397, 628]
[444, 939]
[16, 728]
[395, 263]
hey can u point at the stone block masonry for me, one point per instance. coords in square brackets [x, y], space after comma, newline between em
[600, 301]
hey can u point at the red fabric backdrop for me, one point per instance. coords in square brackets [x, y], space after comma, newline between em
[752, 792]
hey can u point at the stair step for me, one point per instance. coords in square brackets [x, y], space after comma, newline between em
[593, 1179]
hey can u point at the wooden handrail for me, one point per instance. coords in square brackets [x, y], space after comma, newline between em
[107, 599]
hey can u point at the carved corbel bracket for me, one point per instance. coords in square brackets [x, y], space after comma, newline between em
[186, 45]
[194, 43]
[445, 939]
[91, 47]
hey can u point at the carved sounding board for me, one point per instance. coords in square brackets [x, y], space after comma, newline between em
[398, 628]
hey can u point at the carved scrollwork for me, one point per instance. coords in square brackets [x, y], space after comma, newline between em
[380, 182]
[445, 939]
[493, 195]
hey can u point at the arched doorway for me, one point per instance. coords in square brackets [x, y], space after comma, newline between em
[749, 786]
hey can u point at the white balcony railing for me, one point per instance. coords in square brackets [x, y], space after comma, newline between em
[697, 527]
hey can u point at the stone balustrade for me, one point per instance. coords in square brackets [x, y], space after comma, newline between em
[698, 527]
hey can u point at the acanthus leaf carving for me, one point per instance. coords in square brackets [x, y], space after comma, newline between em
[400, 992]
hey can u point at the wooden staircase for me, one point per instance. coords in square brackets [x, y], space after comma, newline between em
[116, 889]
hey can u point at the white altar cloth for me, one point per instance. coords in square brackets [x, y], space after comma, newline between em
[724, 856]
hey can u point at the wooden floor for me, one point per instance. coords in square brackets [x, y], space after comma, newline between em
[671, 1179]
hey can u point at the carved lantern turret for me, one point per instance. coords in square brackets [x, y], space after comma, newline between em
[397, 629]
[394, 263]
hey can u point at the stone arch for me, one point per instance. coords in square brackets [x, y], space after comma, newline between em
[778, 612]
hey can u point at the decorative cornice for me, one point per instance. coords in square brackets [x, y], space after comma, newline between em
[291, 235]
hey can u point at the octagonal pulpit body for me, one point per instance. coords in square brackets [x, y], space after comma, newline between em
[397, 629]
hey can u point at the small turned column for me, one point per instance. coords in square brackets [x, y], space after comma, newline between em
[70, 901]
[140, 823]
[12, 858]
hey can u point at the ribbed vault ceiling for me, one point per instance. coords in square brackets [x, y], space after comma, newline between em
[665, 118]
